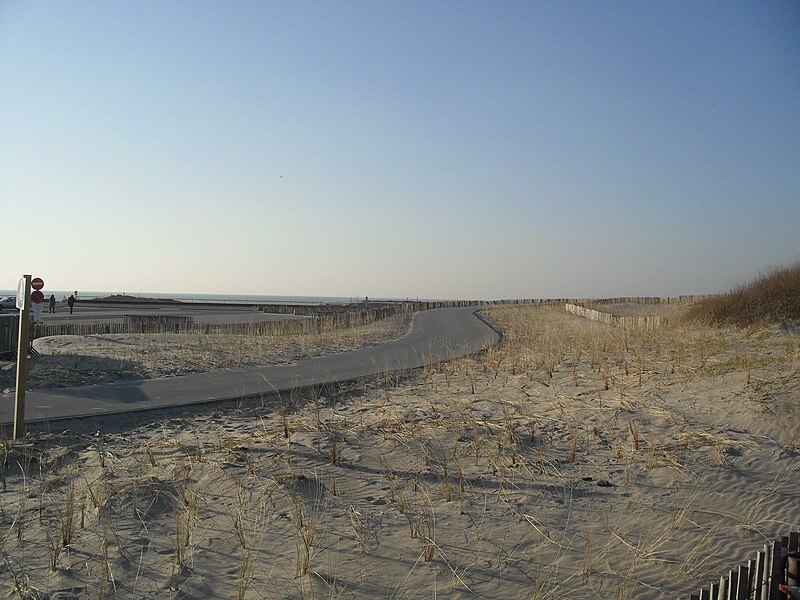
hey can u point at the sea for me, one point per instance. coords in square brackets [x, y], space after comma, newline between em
[209, 298]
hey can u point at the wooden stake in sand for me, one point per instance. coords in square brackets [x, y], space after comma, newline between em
[24, 305]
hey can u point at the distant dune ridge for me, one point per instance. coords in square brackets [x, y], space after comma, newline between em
[129, 298]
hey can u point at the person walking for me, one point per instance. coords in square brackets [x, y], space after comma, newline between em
[71, 303]
[52, 304]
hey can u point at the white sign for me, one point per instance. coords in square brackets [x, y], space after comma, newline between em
[23, 301]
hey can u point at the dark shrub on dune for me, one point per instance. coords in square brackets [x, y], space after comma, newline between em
[772, 297]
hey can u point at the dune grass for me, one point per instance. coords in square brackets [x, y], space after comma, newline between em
[771, 297]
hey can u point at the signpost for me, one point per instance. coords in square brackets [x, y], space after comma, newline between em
[23, 303]
[37, 297]
[23, 295]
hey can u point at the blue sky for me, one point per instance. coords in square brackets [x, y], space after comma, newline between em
[430, 149]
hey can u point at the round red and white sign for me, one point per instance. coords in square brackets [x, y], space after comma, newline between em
[37, 283]
[37, 297]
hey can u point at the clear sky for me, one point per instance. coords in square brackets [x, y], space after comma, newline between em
[427, 149]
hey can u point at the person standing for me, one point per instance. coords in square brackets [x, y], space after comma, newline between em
[52, 304]
[71, 303]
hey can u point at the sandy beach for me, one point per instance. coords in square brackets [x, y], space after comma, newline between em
[574, 459]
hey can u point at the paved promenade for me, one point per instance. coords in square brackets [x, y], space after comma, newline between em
[436, 335]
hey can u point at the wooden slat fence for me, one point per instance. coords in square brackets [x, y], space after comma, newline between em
[777, 564]
[166, 321]
[332, 317]
[187, 325]
[647, 299]
[9, 331]
[415, 306]
[324, 319]
[608, 318]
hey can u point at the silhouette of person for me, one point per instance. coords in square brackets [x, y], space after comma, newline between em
[71, 303]
[52, 304]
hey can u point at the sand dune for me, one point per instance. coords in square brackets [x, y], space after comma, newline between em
[573, 460]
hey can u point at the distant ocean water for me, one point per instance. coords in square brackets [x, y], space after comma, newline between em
[217, 298]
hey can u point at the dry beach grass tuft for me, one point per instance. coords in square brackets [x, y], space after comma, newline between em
[773, 297]
[572, 460]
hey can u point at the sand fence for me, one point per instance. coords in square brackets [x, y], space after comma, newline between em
[322, 318]
[611, 319]
[9, 330]
[762, 577]
[179, 324]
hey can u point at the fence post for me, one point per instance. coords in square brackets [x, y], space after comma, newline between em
[776, 572]
[792, 561]
[751, 578]
[722, 594]
[743, 590]
[714, 591]
[22, 359]
[733, 585]
[758, 576]
[767, 566]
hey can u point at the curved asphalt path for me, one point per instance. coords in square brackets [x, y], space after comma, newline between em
[436, 335]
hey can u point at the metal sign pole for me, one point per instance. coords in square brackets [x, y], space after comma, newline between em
[22, 354]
